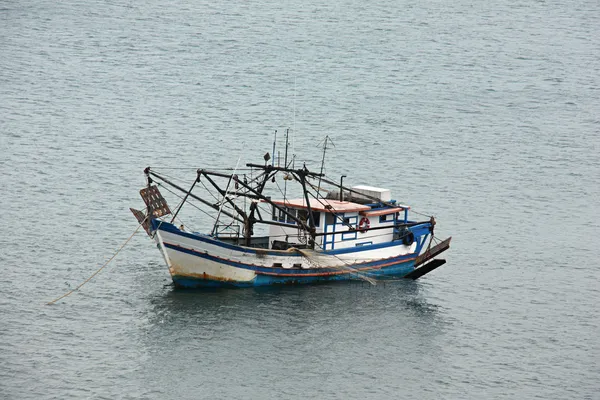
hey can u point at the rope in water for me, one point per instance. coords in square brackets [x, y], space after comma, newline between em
[100, 269]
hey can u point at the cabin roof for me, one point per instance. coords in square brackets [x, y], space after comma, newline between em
[320, 205]
[384, 211]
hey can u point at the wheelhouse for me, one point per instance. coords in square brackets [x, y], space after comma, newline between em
[338, 224]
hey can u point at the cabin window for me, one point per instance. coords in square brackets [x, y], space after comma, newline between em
[274, 214]
[290, 220]
[348, 221]
[317, 217]
[351, 222]
[386, 218]
[329, 219]
[281, 216]
[303, 215]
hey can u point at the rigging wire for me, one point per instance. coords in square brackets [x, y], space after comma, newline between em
[327, 139]
[192, 168]
[181, 197]
[173, 177]
[225, 196]
[209, 192]
[223, 204]
[280, 191]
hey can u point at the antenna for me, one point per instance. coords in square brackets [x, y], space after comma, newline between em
[287, 142]
[294, 127]
[274, 140]
[327, 139]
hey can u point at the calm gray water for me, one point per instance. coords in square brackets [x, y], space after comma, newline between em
[485, 114]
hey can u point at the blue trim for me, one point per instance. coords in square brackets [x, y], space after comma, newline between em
[421, 241]
[167, 227]
[332, 241]
[364, 248]
[291, 271]
[418, 231]
[351, 234]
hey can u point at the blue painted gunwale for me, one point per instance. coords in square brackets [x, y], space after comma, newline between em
[168, 227]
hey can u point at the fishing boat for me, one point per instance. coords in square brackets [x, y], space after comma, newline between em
[326, 232]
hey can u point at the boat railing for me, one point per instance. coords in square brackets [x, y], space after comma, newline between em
[227, 231]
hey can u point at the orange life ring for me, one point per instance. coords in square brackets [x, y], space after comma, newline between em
[364, 225]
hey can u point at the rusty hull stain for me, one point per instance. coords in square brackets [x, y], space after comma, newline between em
[206, 276]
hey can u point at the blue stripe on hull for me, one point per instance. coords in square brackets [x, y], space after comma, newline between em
[397, 271]
[167, 227]
[406, 258]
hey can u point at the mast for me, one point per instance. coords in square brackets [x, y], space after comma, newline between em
[253, 208]
[287, 136]
[311, 218]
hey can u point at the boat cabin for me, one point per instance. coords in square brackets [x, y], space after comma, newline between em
[338, 224]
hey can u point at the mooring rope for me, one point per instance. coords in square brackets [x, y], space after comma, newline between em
[100, 269]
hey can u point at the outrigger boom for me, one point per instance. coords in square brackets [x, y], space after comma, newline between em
[349, 233]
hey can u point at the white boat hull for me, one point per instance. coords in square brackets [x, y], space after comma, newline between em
[197, 260]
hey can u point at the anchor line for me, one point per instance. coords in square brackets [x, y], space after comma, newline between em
[99, 269]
